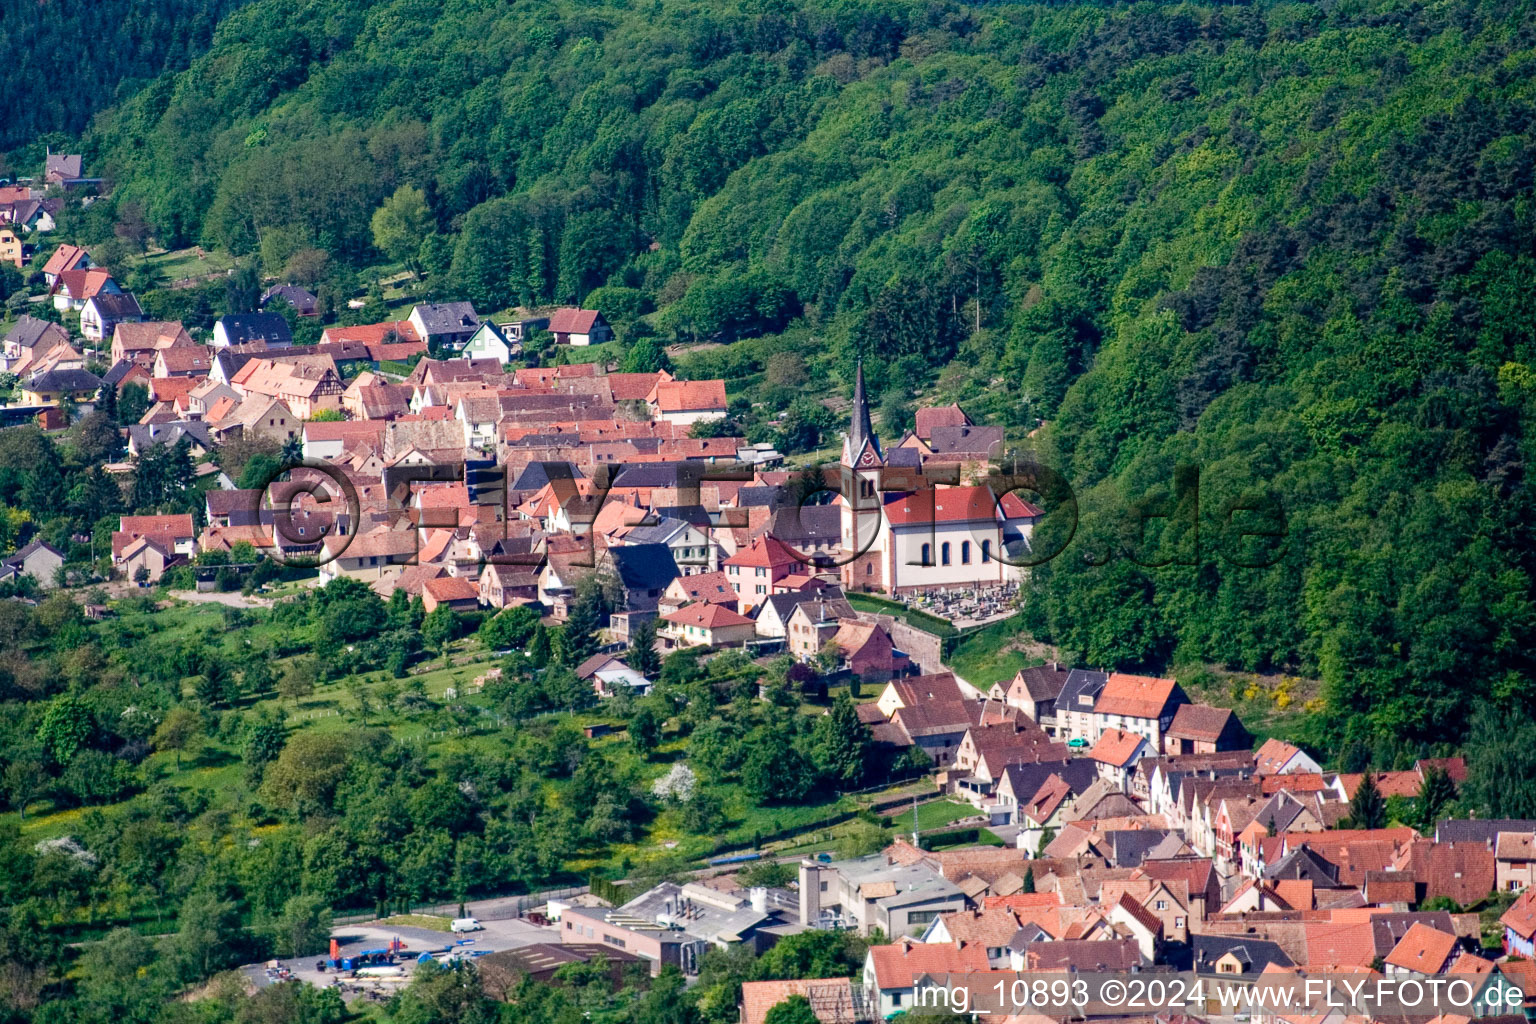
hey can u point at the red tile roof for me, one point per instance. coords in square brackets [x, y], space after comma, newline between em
[708, 586]
[939, 416]
[179, 525]
[1422, 949]
[1116, 747]
[1272, 755]
[899, 964]
[82, 284]
[708, 616]
[766, 551]
[65, 257]
[1404, 784]
[572, 321]
[1199, 722]
[168, 389]
[831, 999]
[452, 588]
[1339, 945]
[1134, 696]
[1520, 918]
[372, 334]
[1295, 782]
[688, 395]
[955, 505]
[634, 387]
[345, 430]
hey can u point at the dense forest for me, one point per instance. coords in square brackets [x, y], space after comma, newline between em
[1288, 244]
[69, 61]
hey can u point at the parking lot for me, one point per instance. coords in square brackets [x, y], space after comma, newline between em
[353, 938]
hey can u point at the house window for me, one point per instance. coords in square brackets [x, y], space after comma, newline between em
[965, 552]
[1162, 904]
[927, 554]
[869, 569]
[895, 998]
[944, 553]
[986, 552]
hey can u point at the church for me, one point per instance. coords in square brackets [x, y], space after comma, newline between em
[902, 534]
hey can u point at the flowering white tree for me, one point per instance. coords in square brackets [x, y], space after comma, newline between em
[677, 785]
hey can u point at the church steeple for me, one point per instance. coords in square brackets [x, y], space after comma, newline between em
[860, 433]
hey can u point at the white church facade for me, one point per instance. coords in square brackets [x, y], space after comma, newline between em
[902, 535]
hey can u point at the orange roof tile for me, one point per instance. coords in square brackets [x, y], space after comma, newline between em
[1134, 696]
[1520, 918]
[707, 615]
[1116, 747]
[899, 964]
[1422, 949]
[688, 395]
[955, 505]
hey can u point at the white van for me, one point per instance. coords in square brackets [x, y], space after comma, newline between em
[465, 924]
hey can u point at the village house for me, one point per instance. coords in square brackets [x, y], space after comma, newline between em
[72, 288]
[303, 301]
[705, 625]
[491, 341]
[305, 387]
[1116, 753]
[12, 250]
[65, 257]
[579, 327]
[145, 559]
[753, 571]
[1034, 692]
[54, 386]
[1514, 855]
[368, 555]
[813, 622]
[461, 595]
[712, 587]
[1141, 704]
[64, 170]
[1276, 757]
[103, 311]
[686, 402]
[29, 334]
[865, 650]
[609, 675]
[504, 586]
[989, 747]
[773, 615]
[1201, 729]
[141, 341]
[448, 325]
[39, 560]
[188, 361]
[267, 330]
[891, 972]
[1519, 923]
[1422, 950]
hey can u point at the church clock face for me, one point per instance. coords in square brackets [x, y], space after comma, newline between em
[868, 458]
